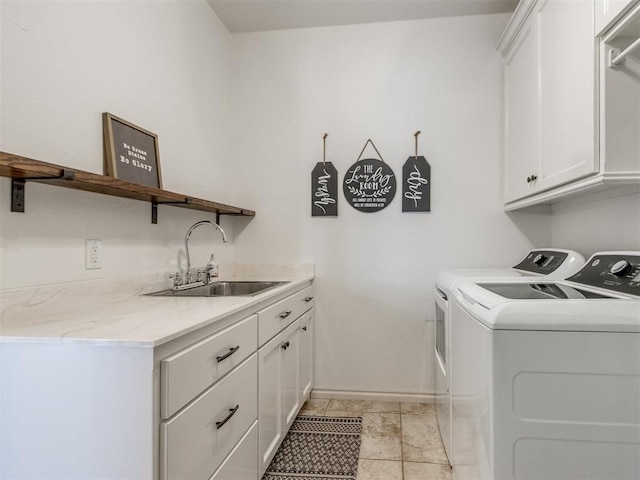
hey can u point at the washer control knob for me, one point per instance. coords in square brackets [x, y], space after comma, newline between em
[621, 268]
[539, 259]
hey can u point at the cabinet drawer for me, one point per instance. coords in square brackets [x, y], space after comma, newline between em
[242, 463]
[194, 443]
[277, 316]
[187, 373]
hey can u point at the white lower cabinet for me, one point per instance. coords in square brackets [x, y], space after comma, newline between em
[285, 372]
[210, 404]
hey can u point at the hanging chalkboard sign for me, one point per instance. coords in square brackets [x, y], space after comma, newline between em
[131, 152]
[416, 185]
[369, 184]
[324, 190]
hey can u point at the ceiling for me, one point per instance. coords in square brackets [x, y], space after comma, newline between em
[261, 15]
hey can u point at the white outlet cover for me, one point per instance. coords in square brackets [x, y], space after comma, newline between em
[93, 254]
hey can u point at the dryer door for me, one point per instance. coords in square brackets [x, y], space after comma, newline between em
[442, 385]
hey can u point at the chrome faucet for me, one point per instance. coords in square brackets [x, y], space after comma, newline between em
[187, 283]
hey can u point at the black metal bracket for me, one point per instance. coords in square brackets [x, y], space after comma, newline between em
[154, 208]
[18, 188]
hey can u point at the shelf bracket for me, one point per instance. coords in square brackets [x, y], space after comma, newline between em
[18, 188]
[154, 208]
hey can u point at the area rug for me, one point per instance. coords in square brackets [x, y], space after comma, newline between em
[318, 448]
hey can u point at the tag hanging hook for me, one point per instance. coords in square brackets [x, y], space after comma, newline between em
[416, 136]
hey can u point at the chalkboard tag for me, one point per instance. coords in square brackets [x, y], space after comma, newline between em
[324, 190]
[416, 185]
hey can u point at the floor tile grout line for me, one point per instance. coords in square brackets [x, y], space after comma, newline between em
[401, 451]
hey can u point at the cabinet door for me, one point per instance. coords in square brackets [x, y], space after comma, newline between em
[269, 401]
[607, 11]
[276, 360]
[306, 355]
[522, 113]
[290, 375]
[567, 93]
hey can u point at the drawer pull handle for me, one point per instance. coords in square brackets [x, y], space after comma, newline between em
[285, 345]
[285, 314]
[304, 329]
[228, 354]
[232, 412]
[308, 299]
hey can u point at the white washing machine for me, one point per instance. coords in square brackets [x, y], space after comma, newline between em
[538, 263]
[546, 375]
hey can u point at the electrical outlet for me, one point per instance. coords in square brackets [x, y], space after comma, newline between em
[93, 254]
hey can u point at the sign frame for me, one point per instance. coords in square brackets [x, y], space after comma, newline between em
[140, 165]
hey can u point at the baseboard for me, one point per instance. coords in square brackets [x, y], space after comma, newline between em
[373, 396]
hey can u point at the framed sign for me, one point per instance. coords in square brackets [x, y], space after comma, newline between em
[324, 190]
[131, 152]
[416, 185]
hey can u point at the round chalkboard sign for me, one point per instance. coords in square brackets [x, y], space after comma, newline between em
[369, 185]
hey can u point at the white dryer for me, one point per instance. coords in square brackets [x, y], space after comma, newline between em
[549, 263]
[546, 375]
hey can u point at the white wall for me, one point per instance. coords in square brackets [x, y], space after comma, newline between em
[607, 221]
[375, 272]
[161, 65]
[240, 120]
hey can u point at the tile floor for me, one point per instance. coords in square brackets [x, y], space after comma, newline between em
[400, 441]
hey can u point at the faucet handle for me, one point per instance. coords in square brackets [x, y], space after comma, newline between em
[202, 275]
[176, 277]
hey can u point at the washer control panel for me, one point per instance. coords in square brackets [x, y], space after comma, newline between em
[542, 262]
[619, 272]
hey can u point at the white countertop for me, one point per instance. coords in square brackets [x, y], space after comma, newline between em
[116, 312]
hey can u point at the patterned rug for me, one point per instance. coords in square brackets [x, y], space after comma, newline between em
[318, 448]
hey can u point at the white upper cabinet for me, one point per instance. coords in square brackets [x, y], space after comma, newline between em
[608, 11]
[564, 104]
[550, 97]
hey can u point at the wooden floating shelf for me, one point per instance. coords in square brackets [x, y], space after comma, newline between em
[26, 169]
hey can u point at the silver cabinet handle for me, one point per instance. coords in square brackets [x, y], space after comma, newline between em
[285, 314]
[232, 412]
[228, 354]
[308, 299]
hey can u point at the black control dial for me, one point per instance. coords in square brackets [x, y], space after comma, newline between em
[621, 268]
[539, 259]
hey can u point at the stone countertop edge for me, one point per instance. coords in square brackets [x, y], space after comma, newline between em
[130, 320]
